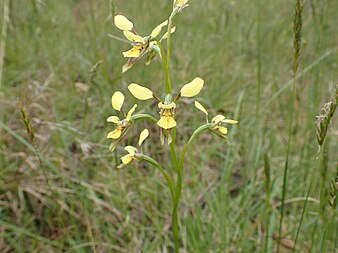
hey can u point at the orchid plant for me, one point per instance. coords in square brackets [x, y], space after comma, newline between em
[151, 46]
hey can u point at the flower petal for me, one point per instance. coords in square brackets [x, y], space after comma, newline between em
[165, 36]
[133, 52]
[114, 134]
[123, 23]
[200, 107]
[143, 135]
[113, 119]
[117, 100]
[130, 112]
[230, 121]
[133, 37]
[217, 119]
[140, 92]
[193, 88]
[127, 159]
[166, 122]
[223, 130]
[131, 150]
[158, 29]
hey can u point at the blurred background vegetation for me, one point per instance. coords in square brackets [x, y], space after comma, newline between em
[64, 193]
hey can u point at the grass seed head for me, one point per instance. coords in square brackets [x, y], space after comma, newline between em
[27, 123]
[324, 118]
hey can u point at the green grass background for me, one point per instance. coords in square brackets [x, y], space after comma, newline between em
[244, 51]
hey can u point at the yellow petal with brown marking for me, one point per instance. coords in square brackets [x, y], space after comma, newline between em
[114, 134]
[166, 122]
[133, 52]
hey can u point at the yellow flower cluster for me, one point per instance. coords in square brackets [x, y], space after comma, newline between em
[150, 45]
[132, 151]
[168, 106]
[117, 101]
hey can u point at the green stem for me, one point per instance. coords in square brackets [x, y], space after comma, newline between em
[173, 154]
[85, 112]
[174, 216]
[286, 167]
[4, 37]
[174, 227]
[258, 59]
[143, 116]
[168, 40]
[306, 200]
[165, 67]
[185, 148]
[164, 173]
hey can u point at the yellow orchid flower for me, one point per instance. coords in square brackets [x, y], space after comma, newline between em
[167, 112]
[121, 124]
[117, 102]
[140, 45]
[130, 156]
[132, 151]
[167, 108]
[217, 120]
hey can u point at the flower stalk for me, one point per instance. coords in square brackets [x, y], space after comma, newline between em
[169, 40]
[151, 46]
[165, 66]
